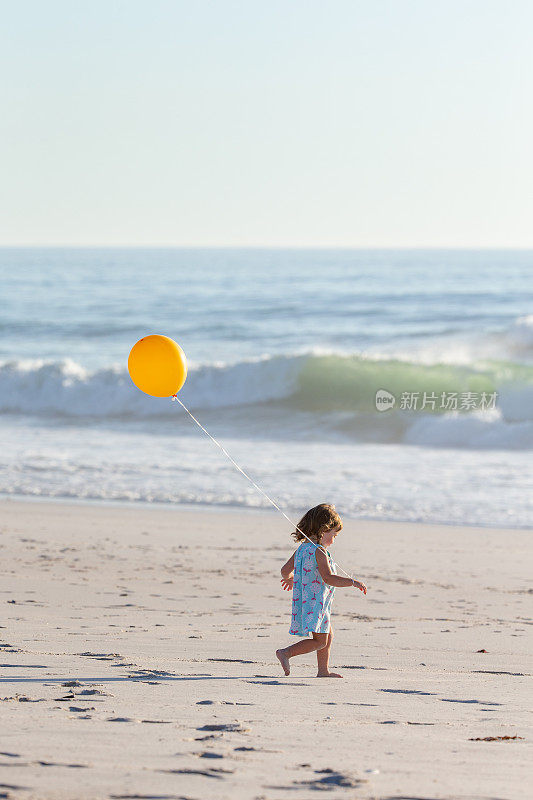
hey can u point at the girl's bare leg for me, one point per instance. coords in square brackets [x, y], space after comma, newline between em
[318, 641]
[322, 657]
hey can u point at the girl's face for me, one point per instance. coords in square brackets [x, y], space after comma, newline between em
[329, 536]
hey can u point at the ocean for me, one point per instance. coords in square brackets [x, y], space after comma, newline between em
[288, 351]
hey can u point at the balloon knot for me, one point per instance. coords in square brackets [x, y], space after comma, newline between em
[174, 397]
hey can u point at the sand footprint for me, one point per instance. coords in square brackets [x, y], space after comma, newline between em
[229, 727]
[212, 772]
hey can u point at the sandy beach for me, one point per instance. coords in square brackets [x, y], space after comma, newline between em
[138, 659]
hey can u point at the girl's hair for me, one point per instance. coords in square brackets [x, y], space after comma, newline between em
[316, 522]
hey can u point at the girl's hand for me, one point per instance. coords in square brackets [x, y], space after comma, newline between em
[361, 586]
[287, 583]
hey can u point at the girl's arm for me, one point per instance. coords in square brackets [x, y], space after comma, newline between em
[329, 577]
[288, 568]
[287, 572]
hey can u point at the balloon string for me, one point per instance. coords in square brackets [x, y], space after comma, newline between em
[254, 484]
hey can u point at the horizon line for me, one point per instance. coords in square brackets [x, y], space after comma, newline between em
[81, 246]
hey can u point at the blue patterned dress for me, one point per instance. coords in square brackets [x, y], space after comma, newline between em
[311, 597]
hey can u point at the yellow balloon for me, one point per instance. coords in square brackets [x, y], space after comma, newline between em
[157, 366]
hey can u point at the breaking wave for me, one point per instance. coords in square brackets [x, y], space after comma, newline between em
[334, 391]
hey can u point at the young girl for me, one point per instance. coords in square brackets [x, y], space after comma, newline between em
[310, 572]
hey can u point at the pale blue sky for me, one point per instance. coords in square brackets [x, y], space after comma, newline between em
[267, 122]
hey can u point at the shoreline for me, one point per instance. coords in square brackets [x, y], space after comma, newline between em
[228, 509]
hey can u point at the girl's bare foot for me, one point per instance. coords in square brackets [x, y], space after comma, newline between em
[328, 675]
[284, 661]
